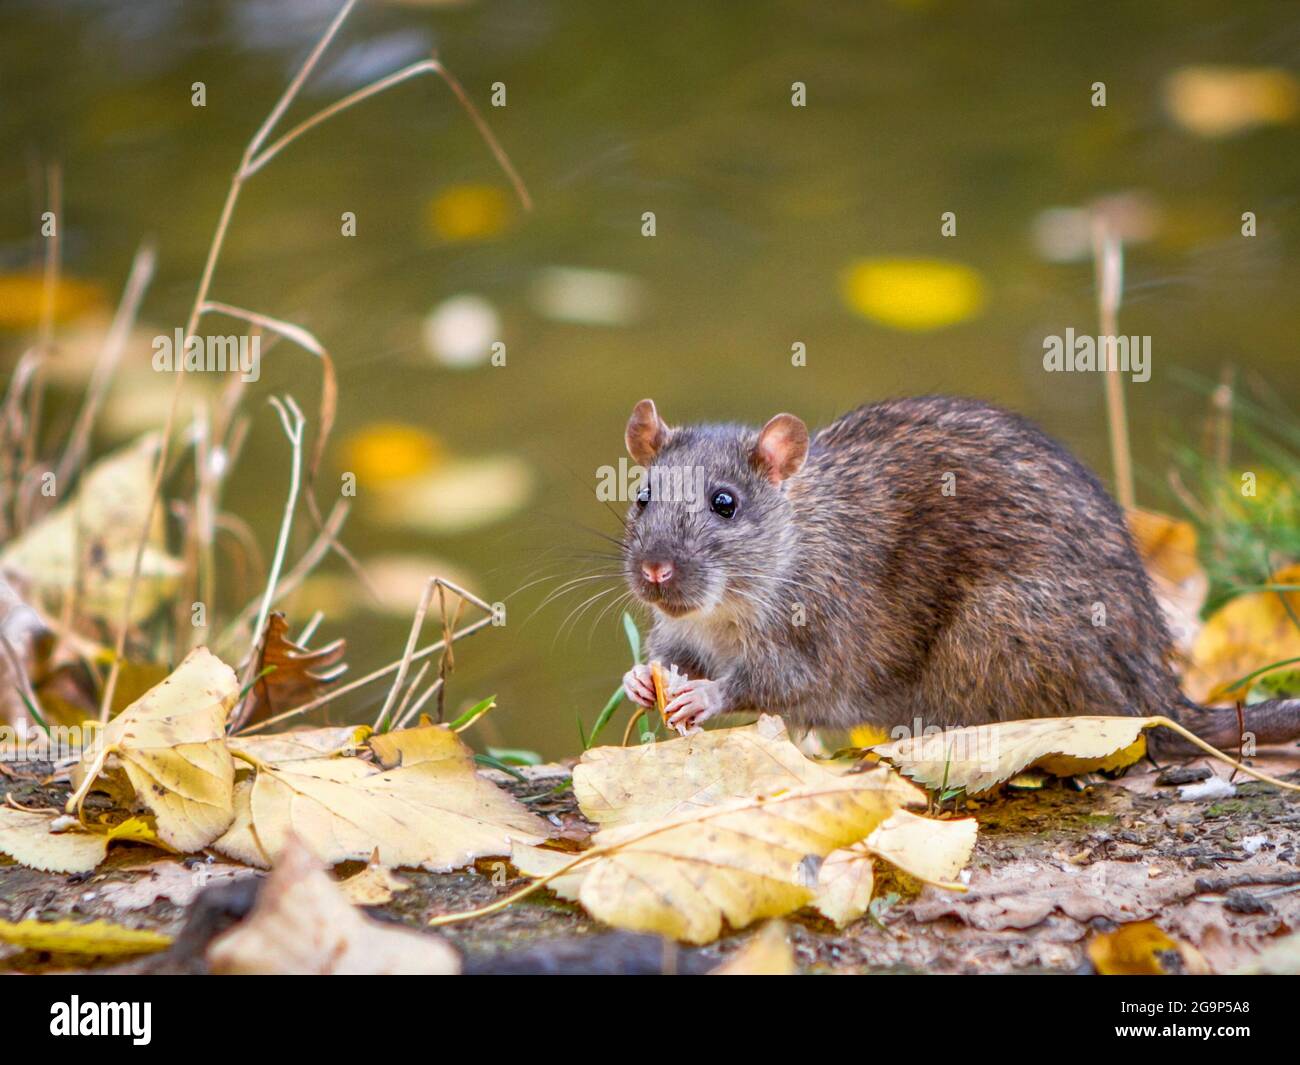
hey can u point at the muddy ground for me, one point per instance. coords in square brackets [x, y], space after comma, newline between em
[1053, 866]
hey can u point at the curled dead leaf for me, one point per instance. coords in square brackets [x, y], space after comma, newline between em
[303, 924]
[170, 746]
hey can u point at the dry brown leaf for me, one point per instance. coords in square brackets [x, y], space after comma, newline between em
[303, 924]
[421, 803]
[768, 953]
[290, 674]
[622, 785]
[1248, 633]
[169, 879]
[26, 837]
[170, 745]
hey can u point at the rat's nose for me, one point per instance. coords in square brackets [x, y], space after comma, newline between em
[657, 572]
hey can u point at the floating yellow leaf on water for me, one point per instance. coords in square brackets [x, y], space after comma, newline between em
[913, 294]
[980, 757]
[736, 862]
[1212, 101]
[388, 451]
[97, 938]
[171, 747]
[457, 497]
[1167, 547]
[91, 540]
[470, 212]
[421, 803]
[768, 953]
[303, 924]
[1248, 633]
[618, 785]
[1143, 948]
[22, 299]
[27, 839]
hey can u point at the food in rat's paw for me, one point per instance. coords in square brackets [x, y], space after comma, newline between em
[930, 560]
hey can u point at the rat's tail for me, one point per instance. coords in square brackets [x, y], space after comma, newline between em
[1273, 721]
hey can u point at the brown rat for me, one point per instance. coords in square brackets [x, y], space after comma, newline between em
[932, 560]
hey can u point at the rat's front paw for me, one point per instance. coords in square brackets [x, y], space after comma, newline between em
[693, 703]
[639, 685]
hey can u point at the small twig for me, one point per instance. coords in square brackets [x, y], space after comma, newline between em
[417, 623]
[384, 671]
[293, 423]
[1109, 257]
[414, 712]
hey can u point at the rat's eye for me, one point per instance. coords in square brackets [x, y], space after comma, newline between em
[723, 504]
[643, 497]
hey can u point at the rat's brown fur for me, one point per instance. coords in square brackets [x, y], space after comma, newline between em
[857, 591]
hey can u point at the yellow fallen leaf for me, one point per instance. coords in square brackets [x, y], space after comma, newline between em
[421, 803]
[171, 747]
[98, 938]
[929, 849]
[739, 861]
[543, 861]
[1215, 101]
[845, 882]
[1167, 547]
[470, 212]
[913, 294]
[618, 785]
[22, 299]
[298, 744]
[26, 837]
[1247, 633]
[768, 953]
[91, 540]
[303, 924]
[1143, 948]
[980, 757]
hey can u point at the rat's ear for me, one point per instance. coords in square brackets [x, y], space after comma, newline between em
[782, 446]
[646, 433]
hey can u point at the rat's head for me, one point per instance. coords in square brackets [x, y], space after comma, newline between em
[710, 526]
